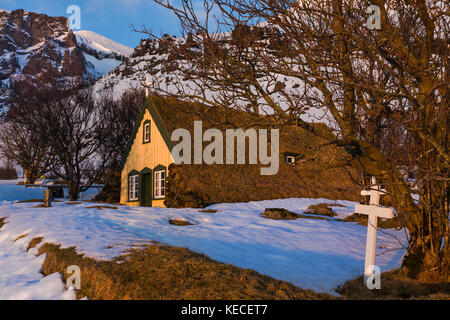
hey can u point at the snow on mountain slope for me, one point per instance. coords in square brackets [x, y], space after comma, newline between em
[41, 51]
[102, 54]
[101, 43]
[99, 67]
[163, 61]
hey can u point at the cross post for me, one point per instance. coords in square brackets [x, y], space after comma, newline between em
[374, 211]
[147, 86]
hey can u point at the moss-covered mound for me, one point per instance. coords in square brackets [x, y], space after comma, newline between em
[110, 193]
[321, 209]
[203, 185]
[279, 214]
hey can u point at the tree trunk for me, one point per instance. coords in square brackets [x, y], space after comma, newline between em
[29, 176]
[73, 190]
[428, 257]
[427, 222]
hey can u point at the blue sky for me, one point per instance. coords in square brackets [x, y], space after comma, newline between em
[111, 18]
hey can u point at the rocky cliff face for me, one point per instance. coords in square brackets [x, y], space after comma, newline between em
[38, 50]
[42, 51]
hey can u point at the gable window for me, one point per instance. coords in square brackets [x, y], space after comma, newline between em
[146, 131]
[133, 188]
[160, 184]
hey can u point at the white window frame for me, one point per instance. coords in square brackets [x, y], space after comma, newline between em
[147, 126]
[133, 187]
[292, 158]
[159, 185]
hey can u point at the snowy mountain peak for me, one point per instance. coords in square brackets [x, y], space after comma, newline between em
[101, 43]
[41, 51]
[101, 54]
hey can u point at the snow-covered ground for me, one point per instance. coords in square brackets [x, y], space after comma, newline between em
[11, 191]
[20, 276]
[309, 253]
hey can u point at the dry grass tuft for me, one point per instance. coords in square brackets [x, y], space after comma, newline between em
[209, 211]
[34, 242]
[436, 275]
[279, 214]
[163, 272]
[101, 207]
[321, 209]
[362, 219]
[395, 285]
[283, 214]
[41, 206]
[2, 222]
[20, 237]
[180, 222]
[31, 200]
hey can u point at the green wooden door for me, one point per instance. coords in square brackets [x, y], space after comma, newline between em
[146, 190]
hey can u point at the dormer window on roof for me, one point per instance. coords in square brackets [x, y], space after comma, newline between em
[292, 158]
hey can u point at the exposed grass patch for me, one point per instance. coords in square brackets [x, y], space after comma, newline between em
[321, 209]
[34, 242]
[73, 203]
[279, 214]
[20, 237]
[362, 219]
[31, 200]
[41, 206]
[2, 222]
[209, 211]
[283, 214]
[180, 222]
[395, 285]
[163, 272]
[101, 207]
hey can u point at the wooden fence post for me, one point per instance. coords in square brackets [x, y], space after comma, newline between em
[48, 198]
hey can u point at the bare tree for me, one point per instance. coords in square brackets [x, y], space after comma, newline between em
[75, 132]
[8, 172]
[20, 142]
[76, 135]
[69, 124]
[382, 90]
[118, 118]
[24, 147]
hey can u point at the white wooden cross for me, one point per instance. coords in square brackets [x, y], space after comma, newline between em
[147, 86]
[374, 211]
